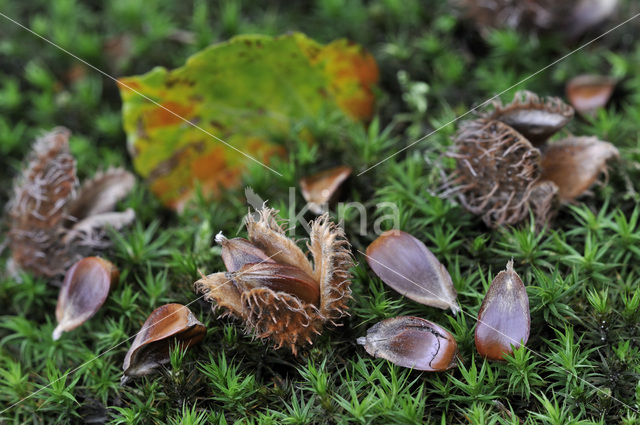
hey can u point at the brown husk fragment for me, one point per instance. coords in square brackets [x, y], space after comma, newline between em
[320, 188]
[588, 93]
[571, 18]
[52, 223]
[412, 342]
[575, 163]
[406, 265]
[84, 290]
[503, 319]
[167, 326]
[534, 117]
[269, 312]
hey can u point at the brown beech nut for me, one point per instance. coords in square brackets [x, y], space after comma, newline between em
[84, 289]
[237, 252]
[575, 163]
[320, 188]
[588, 93]
[406, 265]
[285, 297]
[412, 342]
[534, 117]
[503, 320]
[167, 326]
[277, 277]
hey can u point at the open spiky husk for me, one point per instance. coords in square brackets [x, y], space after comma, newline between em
[279, 316]
[497, 169]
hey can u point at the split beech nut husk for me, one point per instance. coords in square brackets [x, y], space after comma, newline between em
[54, 222]
[503, 320]
[588, 93]
[85, 288]
[534, 117]
[289, 298]
[412, 342]
[406, 265]
[279, 278]
[319, 189]
[575, 163]
[167, 326]
[237, 252]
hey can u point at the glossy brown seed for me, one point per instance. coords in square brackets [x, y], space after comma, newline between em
[319, 189]
[237, 252]
[412, 342]
[406, 265]
[85, 288]
[536, 118]
[167, 326]
[588, 93]
[279, 278]
[575, 163]
[504, 318]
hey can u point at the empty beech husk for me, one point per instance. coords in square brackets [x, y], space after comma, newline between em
[503, 320]
[412, 342]
[53, 222]
[167, 326]
[502, 177]
[319, 189]
[85, 288]
[497, 169]
[575, 163]
[588, 93]
[406, 265]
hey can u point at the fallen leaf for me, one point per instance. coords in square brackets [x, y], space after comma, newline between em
[167, 326]
[85, 288]
[503, 319]
[412, 342]
[588, 93]
[250, 91]
[575, 163]
[320, 188]
[406, 265]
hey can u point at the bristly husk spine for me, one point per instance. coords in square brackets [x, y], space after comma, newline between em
[38, 207]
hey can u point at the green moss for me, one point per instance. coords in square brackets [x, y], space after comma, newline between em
[582, 364]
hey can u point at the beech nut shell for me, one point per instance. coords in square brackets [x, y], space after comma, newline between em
[406, 265]
[84, 289]
[166, 326]
[412, 342]
[503, 319]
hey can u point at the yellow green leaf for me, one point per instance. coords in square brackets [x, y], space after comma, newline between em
[250, 91]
